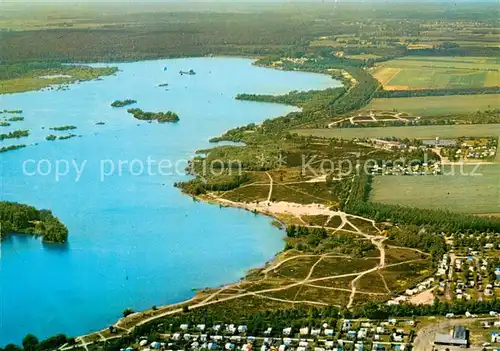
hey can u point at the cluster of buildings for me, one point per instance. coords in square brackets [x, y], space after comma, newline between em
[352, 335]
[468, 276]
[476, 152]
[420, 287]
[475, 149]
[414, 170]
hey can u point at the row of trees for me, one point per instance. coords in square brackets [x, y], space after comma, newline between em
[31, 343]
[444, 220]
[436, 92]
[19, 218]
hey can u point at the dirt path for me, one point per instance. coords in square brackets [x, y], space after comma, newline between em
[221, 294]
[270, 188]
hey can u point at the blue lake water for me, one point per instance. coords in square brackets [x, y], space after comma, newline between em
[135, 241]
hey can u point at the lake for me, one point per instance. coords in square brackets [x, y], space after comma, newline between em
[135, 241]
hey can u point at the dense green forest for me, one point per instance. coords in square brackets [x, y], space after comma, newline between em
[116, 33]
[161, 117]
[19, 218]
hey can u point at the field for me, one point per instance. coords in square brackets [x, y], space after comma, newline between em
[417, 132]
[415, 73]
[474, 194]
[437, 105]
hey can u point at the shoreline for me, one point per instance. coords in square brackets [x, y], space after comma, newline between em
[201, 296]
[150, 314]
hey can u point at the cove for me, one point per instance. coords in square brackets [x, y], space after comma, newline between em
[134, 240]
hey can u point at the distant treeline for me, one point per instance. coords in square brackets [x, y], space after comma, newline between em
[19, 218]
[456, 50]
[435, 92]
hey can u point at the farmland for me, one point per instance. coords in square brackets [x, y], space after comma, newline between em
[463, 193]
[416, 132]
[437, 105]
[415, 73]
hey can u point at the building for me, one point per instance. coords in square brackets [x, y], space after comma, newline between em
[456, 337]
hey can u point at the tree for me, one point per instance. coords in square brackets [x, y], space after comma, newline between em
[30, 342]
[127, 312]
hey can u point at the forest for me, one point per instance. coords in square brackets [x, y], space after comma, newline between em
[24, 219]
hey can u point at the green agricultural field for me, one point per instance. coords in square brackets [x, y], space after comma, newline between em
[416, 132]
[437, 105]
[463, 193]
[438, 72]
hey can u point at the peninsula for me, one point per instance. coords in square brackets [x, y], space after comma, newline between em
[24, 219]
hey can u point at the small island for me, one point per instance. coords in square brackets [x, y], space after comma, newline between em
[122, 103]
[191, 72]
[15, 134]
[65, 137]
[52, 137]
[4, 124]
[161, 117]
[16, 119]
[24, 219]
[11, 148]
[100, 123]
[63, 128]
